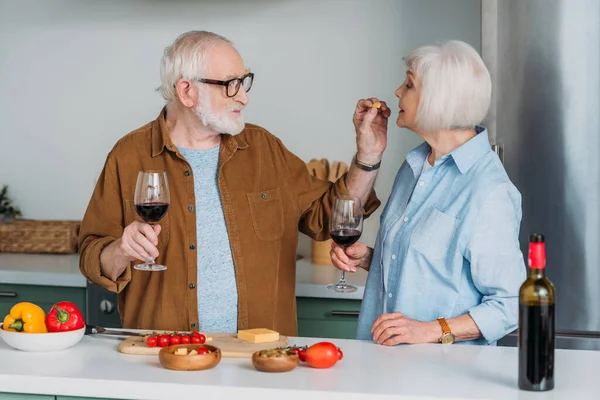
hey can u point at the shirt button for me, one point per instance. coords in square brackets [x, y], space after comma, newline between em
[187, 173]
[393, 256]
[390, 295]
[192, 286]
[194, 325]
[405, 219]
[421, 183]
[190, 208]
[264, 195]
[192, 247]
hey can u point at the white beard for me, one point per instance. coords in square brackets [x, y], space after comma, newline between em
[220, 122]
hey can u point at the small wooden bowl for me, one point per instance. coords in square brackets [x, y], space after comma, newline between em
[283, 363]
[168, 359]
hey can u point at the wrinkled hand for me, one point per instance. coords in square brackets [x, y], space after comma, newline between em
[395, 328]
[371, 125]
[356, 256]
[139, 241]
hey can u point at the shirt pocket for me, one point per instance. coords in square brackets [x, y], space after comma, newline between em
[433, 235]
[266, 210]
[131, 215]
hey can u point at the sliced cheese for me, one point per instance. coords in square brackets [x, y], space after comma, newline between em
[258, 335]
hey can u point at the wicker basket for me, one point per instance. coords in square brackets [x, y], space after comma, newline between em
[33, 236]
[320, 252]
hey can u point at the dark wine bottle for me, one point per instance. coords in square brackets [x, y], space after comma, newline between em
[536, 322]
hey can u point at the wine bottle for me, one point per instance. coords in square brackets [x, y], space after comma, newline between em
[536, 322]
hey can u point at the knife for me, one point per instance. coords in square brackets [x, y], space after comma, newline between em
[98, 330]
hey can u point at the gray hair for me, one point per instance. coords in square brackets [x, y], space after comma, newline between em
[456, 87]
[185, 59]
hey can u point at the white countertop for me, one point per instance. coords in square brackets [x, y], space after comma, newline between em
[94, 368]
[63, 270]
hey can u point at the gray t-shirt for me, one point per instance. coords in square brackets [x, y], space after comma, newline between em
[217, 290]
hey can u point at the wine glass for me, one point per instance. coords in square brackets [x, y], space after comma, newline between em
[151, 203]
[345, 228]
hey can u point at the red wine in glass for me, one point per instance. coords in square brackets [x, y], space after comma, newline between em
[151, 213]
[345, 228]
[345, 237]
[152, 200]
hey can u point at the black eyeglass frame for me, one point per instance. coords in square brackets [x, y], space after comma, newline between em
[240, 82]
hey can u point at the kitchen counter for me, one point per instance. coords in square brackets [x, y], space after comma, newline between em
[63, 270]
[41, 269]
[94, 368]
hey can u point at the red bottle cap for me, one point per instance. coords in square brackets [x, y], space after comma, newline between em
[537, 252]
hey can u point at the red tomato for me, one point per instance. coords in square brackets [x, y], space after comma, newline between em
[151, 341]
[186, 339]
[176, 339]
[164, 340]
[195, 333]
[322, 355]
[203, 350]
[302, 355]
[202, 338]
[195, 340]
[340, 354]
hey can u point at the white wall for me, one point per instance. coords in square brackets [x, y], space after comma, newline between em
[77, 75]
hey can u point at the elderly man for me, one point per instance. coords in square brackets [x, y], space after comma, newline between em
[238, 199]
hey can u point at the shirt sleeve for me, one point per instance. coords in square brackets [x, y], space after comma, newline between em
[497, 266]
[315, 197]
[101, 225]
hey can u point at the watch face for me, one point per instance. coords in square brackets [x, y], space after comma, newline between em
[448, 338]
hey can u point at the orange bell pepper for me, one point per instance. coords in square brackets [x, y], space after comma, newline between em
[26, 317]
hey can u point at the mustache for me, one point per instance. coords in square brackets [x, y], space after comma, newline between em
[235, 107]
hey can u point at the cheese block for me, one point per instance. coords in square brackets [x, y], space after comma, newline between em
[258, 335]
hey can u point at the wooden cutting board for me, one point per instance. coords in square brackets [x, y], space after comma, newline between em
[228, 343]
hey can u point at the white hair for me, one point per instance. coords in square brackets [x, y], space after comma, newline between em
[456, 87]
[185, 59]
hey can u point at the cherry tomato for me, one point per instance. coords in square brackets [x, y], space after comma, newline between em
[151, 341]
[302, 355]
[203, 350]
[195, 333]
[202, 338]
[186, 339]
[164, 340]
[340, 354]
[195, 340]
[176, 339]
[322, 355]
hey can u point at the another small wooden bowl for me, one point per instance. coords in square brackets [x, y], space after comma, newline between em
[197, 362]
[283, 363]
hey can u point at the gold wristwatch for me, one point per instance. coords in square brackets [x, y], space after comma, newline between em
[447, 335]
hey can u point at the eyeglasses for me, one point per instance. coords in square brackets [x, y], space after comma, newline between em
[233, 85]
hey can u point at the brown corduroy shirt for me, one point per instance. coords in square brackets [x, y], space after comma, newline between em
[267, 196]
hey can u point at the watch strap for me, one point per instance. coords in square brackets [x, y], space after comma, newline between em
[445, 326]
[366, 167]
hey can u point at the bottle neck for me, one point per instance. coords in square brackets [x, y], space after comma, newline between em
[537, 273]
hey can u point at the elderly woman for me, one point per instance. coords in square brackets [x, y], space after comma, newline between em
[446, 265]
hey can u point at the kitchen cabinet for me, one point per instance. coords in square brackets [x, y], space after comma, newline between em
[327, 318]
[43, 296]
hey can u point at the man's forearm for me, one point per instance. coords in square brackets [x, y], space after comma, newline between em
[360, 182]
[112, 264]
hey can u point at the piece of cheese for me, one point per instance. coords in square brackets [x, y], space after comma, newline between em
[258, 335]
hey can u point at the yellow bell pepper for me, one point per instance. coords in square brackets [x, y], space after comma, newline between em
[26, 317]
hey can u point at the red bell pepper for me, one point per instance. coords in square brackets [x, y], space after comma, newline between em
[64, 316]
